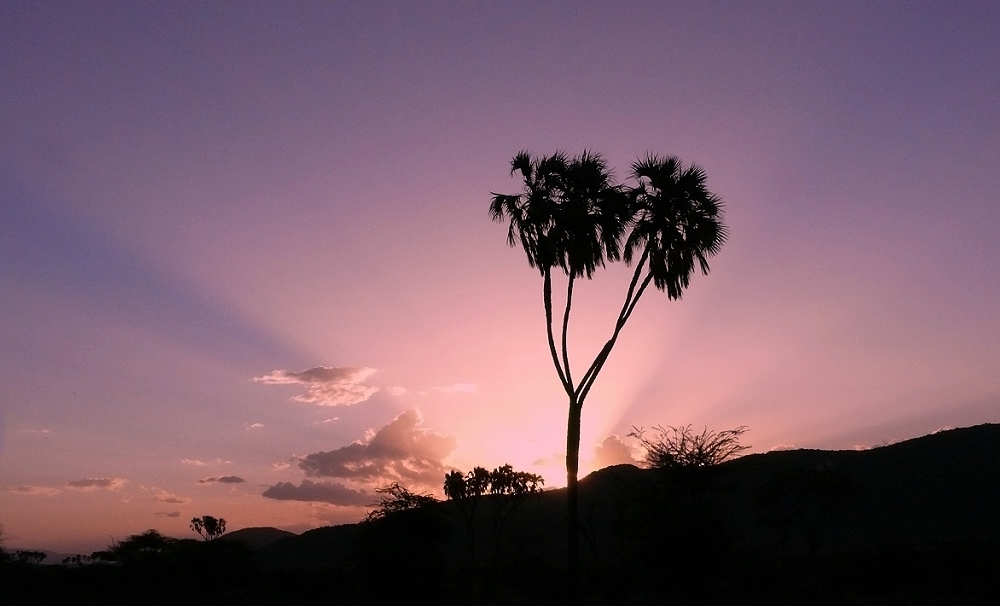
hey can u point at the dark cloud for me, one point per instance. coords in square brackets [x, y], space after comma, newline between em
[399, 451]
[95, 483]
[333, 493]
[326, 386]
[612, 451]
[223, 480]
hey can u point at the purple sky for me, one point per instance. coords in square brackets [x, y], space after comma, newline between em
[250, 242]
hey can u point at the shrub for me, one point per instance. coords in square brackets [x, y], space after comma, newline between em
[680, 447]
[395, 498]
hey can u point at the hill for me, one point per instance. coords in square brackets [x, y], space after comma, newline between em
[257, 537]
[936, 489]
[910, 523]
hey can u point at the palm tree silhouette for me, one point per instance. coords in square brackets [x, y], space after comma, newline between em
[571, 215]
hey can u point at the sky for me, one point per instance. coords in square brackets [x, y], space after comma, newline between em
[247, 268]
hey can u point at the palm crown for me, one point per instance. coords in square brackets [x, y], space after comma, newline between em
[676, 222]
[571, 214]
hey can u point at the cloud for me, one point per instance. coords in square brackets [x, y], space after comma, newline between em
[469, 388]
[279, 466]
[334, 515]
[256, 426]
[396, 390]
[168, 514]
[333, 493]
[36, 432]
[95, 483]
[223, 480]
[780, 447]
[326, 386]
[42, 491]
[165, 497]
[612, 451]
[326, 421]
[198, 463]
[556, 460]
[399, 451]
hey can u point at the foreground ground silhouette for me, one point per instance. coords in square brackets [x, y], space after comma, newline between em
[911, 523]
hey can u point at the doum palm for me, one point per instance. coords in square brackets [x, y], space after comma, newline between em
[572, 218]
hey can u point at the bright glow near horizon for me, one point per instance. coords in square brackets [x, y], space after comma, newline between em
[193, 197]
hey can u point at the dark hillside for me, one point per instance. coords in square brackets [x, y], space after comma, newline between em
[910, 523]
[256, 538]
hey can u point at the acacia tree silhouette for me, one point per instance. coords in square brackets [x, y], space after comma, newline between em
[572, 216]
[208, 527]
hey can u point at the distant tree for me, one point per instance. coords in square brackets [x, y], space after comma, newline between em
[465, 491]
[77, 559]
[395, 498]
[507, 489]
[680, 447]
[29, 557]
[208, 527]
[137, 547]
[3, 553]
[103, 555]
[455, 488]
[572, 217]
[510, 489]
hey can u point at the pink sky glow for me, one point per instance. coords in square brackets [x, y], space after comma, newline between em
[247, 270]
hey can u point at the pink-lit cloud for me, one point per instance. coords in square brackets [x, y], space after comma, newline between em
[200, 463]
[612, 451]
[555, 459]
[326, 386]
[165, 497]
[168, 514]
[96, 483]
[333, 515]
[399, 451]
[223, 480]
[43, 491]
[333, 493]
[779, 447]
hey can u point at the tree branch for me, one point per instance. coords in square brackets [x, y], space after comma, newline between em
[565, 330]
[630, 300]
[547, 296]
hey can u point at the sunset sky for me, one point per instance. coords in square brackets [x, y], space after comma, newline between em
[247, 269]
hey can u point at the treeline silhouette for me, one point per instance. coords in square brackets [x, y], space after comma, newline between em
[910, 523]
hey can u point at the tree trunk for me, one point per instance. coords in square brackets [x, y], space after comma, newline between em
[572, 496]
